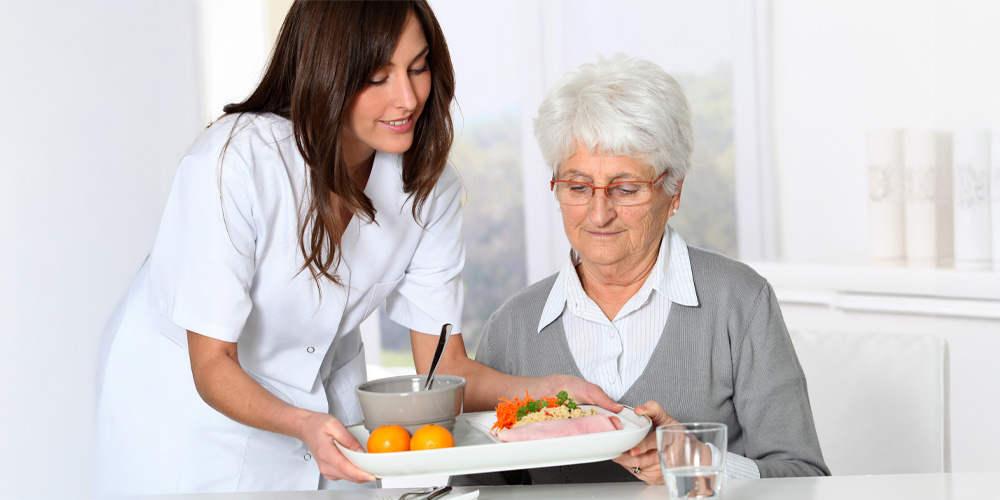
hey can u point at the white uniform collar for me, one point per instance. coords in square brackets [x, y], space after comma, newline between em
[671, 276]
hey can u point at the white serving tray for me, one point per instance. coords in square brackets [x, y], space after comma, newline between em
[477, 451]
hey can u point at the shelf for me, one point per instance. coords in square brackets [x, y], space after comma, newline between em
[926, 282]
[901, 290]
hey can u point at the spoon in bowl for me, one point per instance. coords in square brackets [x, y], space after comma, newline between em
[443, 341]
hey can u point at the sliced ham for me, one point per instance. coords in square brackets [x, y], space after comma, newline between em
[560, 428]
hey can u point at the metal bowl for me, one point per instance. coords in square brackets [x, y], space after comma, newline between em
[402, 401]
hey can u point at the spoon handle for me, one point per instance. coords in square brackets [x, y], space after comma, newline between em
[442, 342]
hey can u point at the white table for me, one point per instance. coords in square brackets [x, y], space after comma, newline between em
[963, 486]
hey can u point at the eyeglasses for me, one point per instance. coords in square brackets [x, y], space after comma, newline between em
[619, 193]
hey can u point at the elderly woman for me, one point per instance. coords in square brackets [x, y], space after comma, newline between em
[682, 334]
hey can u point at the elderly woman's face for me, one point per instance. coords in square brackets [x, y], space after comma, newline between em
[605, 234]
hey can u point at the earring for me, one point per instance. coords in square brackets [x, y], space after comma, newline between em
[675, 212]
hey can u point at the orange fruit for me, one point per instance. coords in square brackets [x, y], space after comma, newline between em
[388, 438]
[430, 437]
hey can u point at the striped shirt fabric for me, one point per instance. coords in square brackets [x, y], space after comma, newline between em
[613, 353]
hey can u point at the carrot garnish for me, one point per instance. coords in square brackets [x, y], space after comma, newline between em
[509, 412]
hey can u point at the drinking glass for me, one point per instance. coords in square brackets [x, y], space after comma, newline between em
[692, 458]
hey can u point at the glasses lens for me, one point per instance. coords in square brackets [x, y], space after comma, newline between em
[573, 193]
[631, 193]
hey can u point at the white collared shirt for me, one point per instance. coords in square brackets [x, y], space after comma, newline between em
[613, 353]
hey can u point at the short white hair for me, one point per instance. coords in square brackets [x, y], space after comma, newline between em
[622, 106]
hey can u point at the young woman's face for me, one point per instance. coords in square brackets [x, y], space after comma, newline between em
[384, 114]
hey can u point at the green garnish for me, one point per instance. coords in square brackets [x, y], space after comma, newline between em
[562, 399]
[531, 407]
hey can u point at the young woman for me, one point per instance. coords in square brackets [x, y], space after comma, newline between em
[230, 365]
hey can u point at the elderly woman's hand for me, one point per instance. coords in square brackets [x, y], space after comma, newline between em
[642, 460]
[579, 390]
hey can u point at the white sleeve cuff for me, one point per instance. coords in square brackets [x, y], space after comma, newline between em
[737, 466]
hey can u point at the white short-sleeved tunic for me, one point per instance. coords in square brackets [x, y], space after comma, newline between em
[227, 264]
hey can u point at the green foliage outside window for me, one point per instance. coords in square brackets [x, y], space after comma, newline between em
[487, 156]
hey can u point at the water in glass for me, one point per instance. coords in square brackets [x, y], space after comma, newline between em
[692, 458]
[692, 482]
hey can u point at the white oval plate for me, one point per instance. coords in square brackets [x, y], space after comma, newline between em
[477, 451]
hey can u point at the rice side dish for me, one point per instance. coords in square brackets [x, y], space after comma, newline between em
[556, 413]
[517, 412]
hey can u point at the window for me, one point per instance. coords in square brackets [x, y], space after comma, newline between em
[506, 57]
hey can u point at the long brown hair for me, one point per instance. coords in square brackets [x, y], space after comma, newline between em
[325, 54]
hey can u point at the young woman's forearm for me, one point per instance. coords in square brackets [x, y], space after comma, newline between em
[227, 388]
[485, 386]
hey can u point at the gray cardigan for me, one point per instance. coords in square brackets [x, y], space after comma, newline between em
[727, 360]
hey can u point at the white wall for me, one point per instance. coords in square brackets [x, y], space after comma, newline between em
[843, 67]
[840, 68]
[100, 100]
[234, 41]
